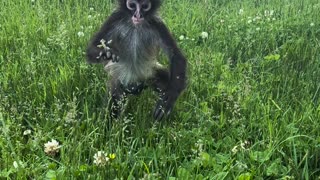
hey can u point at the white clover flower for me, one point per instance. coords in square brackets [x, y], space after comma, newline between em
[52, 147]
[26, 132]
[204, 35]
[80, 34]
[312, 24]
[100, 158]
[15, 164]
[181, 37]
[241, 11]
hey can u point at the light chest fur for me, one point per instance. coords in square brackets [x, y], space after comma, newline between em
[137, 47]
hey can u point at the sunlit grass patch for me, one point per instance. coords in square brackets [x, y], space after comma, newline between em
[250, 111]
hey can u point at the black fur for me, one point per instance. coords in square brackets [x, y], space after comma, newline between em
[169, 83]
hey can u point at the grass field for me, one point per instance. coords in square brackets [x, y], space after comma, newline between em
[250, 111]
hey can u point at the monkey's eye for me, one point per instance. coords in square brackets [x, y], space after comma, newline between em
[146, 6]
[131, 6]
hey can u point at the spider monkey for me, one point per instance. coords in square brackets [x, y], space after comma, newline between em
[127, 44]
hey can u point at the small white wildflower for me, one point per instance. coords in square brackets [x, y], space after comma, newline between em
[249, 21]
[80, 34]
[244, 145]
[204, 35]
[258, 29]
[52, 147]
[90, 27]
[271, 12]
[100, 158]
[181, 37]
[312, 24]
[273, 19]
[91, 9]
[257, 18]
[193, 39]
[199, 145]
[15, 164]
[234, 149]
[26, 132]
[241, 11]
[221, 21]
[89, 16]
[32, 1]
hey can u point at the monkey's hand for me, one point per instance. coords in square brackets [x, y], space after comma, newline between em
[106, 52]
[165, 104]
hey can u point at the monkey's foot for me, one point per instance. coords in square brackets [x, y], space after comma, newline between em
[164, 105]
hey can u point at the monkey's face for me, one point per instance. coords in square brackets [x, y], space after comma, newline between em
[139, 9]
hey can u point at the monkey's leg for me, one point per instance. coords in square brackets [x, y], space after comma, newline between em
[118, 99]
[159, 83]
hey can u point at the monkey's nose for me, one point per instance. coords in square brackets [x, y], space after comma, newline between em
[137, 15]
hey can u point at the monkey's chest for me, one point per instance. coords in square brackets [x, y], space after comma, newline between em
[137, 52]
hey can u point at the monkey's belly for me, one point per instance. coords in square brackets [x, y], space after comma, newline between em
[128, 73]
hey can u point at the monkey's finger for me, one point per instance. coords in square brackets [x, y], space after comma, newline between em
[108, 54]
[114, 58]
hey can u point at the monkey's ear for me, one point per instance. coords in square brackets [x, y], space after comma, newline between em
[155, 4]
[122, 3]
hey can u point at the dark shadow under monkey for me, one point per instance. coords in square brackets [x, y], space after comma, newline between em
[128, 44]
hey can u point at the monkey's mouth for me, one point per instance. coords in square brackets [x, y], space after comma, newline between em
[137, 20]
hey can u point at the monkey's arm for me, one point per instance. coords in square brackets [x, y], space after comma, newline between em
[97, 52]
[177, 80]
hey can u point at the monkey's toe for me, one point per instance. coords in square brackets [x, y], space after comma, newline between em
[158, 113]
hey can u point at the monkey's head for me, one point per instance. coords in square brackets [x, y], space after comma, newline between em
[140, 10]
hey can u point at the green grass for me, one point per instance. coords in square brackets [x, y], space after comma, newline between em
[250, 111]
